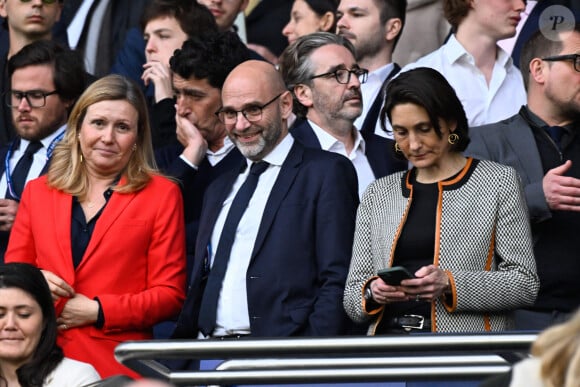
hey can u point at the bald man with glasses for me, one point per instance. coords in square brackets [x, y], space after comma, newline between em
[276, 232]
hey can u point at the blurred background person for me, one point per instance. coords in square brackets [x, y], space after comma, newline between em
[483, 75]
[308, 16]
[29, 355]
[471, 253]
[165, 25]
[373, 27]
[542, 143]
[46, 80]
[264, 21]
[106, 229]
[555, 360]
[97, 29]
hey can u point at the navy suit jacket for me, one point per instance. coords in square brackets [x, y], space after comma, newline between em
[378, 149]
[5, 235]
[297, 271]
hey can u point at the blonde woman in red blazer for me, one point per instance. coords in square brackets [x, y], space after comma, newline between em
[105, 228]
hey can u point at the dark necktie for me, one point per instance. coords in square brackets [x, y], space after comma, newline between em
[21, 170]
[208, 308]
[555, 132]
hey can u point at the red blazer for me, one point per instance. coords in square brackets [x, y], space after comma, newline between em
[134, 263]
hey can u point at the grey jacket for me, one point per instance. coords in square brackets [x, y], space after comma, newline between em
[484, 243]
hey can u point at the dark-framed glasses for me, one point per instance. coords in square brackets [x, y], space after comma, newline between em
[575, 58]
[252, 113]
[343, 75]
[43, 1]
[34, 98]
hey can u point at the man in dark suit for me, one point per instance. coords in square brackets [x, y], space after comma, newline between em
[199, 69]
[373, 27]
[46, 80]
[321, 71]
[542, 142]
[271, 260]
[22, 29]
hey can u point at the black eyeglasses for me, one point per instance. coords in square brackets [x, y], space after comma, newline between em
[43, 1]
[34, 98]
[343, 75]
[575, 58]
[252, 113]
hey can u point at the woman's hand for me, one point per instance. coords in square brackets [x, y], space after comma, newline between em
[430, 283]
[385, 294]
[78, 311]
[160, 75]
[58, 287]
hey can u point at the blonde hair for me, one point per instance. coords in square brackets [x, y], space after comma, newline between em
[558, 349]
[67, 172]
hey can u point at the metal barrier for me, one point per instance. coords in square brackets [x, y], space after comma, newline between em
[331, 360]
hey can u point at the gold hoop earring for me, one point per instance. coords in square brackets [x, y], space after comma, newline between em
[397, 148]
[453, 138]
[134, 147]
[81, 158]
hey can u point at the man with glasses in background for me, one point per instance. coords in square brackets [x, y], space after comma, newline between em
[321, 71]
[25, 21]
[542, 142]
[46, 80]
[276, 233]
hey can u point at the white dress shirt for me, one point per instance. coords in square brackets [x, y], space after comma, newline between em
[357, 156]
[483, 103]
[38, 162]
[213, 157]
[232, 309]
[370, 90]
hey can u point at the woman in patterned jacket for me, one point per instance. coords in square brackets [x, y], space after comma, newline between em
[458, 225]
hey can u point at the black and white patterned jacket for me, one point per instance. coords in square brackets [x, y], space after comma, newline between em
[484, 244]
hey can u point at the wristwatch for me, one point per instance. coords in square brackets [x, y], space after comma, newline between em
[368, 294]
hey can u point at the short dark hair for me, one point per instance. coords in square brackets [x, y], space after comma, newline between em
[321, 7]
[47, 354]
[295, 65]
[429, 89]
[392, 9]
[210, 56]
[193, 18]
[70, 78]
[539, 46]
[455, 11]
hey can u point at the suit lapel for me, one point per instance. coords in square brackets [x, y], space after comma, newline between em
[305, 134]
[62, 213]
[281, 187]
[113, 209]
[212, 206]
[531, 161]
[372, 116]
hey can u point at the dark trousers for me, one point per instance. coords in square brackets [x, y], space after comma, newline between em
[529, 320]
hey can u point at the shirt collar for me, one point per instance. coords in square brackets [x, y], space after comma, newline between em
[382, 72]
[226, 147]
[45, 141]
[454, 51]
[327, 141]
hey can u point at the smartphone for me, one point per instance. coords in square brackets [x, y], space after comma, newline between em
[394, 275]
